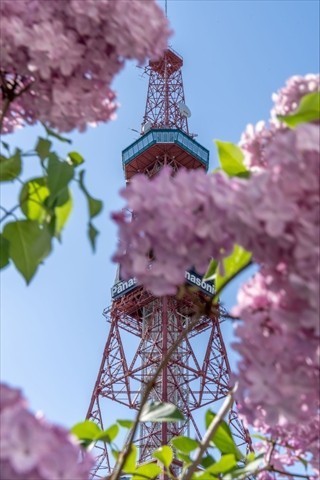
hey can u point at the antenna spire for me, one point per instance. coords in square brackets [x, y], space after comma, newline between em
[166, 8]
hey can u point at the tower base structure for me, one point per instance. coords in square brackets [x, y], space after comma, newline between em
[142, 330]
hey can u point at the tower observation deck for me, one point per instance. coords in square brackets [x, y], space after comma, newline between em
[142, 328]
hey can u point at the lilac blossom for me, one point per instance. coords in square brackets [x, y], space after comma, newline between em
[33, 449]
[176, 224]
[70, 51]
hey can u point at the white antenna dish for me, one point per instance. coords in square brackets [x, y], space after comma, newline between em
[184, 110]
[146, 127]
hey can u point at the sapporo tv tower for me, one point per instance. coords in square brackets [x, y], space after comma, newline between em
[198, 373]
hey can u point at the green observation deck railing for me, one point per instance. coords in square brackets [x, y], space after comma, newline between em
[166, 136]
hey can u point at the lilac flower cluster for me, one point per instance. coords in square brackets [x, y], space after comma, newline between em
[32, 449]
[177, 223]
[255, 139]
[72, 50]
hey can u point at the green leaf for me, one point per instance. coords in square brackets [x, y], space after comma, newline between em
[29, 245]
[108, 435]
[86, 430]
[32, 199]
[59, 176]
[6, 146]
[231, 265]
[51, 133]
[185, 458]
[10, 168]
[92, 233]
[164, 454]
[125, 423]
[211, 271]
[160, 412]
[307, 111]
[225, 464]
[148, 470]
[131, 461]
[94, 205]
[222, 438]
[115, 453]
[43, 148]
[245, 472]
[184, 444]
[62, 214]
[4, 251]
[203, 475]
[231, 159]
[76, 158]
[207, 461]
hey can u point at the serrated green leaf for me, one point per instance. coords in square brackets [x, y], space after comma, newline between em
[231, 159]
[30, 243]
[148, 470]
[164, 454]
[62, 214]
[231, 265]
[10, 168]
[92, 233]
[76, 158]
[131, 460]
[222, 438]
[125, 423]
[51, 133]
[308, 111]
[108, 435]
[32, 199]
[94, 205]
[59, 176]
[4, 251]
[86, 430]
[184, 444]
[211, 271]
[43, 148]
[160, 412]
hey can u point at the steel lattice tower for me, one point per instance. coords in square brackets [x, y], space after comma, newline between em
[198, 373]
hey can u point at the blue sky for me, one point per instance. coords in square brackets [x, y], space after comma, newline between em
[236, 53]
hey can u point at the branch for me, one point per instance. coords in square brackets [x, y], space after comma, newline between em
[149, 386]
[205, 442]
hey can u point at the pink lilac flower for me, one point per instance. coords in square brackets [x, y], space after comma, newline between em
[32, 449]
[71, 51]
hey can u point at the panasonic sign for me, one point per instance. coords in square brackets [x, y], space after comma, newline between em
[192, 278]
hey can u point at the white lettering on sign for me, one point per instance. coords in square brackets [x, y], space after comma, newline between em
[194, 279]
[123, 287]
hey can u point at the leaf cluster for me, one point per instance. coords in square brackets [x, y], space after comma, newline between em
[230, 464]
[45, 203]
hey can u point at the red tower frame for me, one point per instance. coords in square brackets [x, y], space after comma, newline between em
[198, 373]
